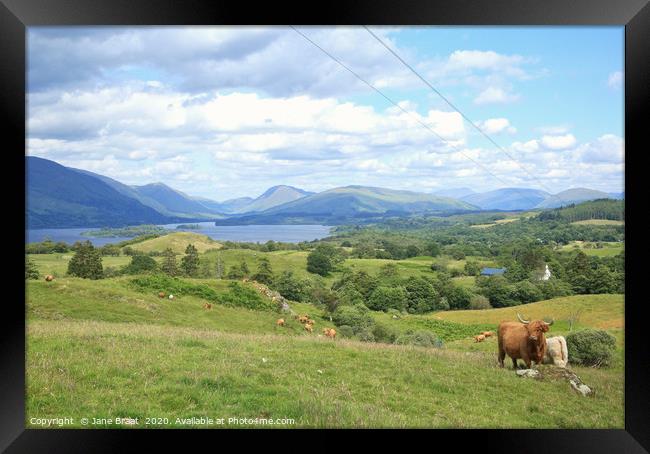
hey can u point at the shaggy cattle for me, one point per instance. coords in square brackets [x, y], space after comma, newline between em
[303, 319]
[556, 351]
[161, 294]
[280, 322]
[49, 278]
[207, 306]
[487, 333]
[329, 332]
[524, 340]
[309, 328]
[479, 338]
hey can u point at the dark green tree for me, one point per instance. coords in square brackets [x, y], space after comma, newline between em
[140, 264]
[243, 266]
[31, 272]
[235, 273]
[190, 261]
[86, 262]
[290, 287]
[169, 265]
[327, 298]
[422, 296]
[319, 263]
[384, 298]
[432, 249]
[264, 273]
[472, 268]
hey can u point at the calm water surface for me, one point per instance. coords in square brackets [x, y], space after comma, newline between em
[248, 233]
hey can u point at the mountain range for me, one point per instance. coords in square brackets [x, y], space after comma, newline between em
[60, 197]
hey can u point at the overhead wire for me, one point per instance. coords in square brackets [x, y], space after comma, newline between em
[396, 104]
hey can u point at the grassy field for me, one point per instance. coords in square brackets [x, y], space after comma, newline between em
[57, 263]
[103, 349]
[178, 241]
[609, 249]
[106, 370]
[600, 311]
[598, 222]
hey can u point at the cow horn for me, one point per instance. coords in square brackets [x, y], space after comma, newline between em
[549, 323]
[525, 322]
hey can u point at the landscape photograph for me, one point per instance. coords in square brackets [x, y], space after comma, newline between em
[325, 227]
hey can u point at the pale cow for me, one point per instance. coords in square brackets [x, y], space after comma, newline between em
[556, 351]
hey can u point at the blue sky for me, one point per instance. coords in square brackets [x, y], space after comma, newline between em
[224, 112]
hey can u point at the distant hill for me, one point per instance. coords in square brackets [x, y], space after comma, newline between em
[226, 207]
[273, 197]
[129, 191]
[570, 196]
[507, 199]
[348, 203]
[454, 193]
[277, 195]
[59, 197]
[174, 201]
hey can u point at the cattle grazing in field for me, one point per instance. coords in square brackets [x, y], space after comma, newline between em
[207, 306]
[309, 327]
[161, 294]
[329, 332]
[479, 338]
[280, 322]
[522, 340]
[49, 278]
[303, 319]
[556, 351]
[487, 333]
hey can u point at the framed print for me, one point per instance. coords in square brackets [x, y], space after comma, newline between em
[364, 216]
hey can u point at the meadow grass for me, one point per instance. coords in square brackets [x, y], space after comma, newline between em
[178, 241]
[599, 222]
[57, 263]
[107, 349]
[609, 249]
[103, 370]
[599, 311]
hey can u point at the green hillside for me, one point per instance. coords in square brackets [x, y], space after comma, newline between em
[178, 241]
[103, 349]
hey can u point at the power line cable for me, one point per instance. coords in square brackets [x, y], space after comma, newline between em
[405, 111]
[480, 130]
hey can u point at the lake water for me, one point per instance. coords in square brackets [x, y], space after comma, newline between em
[248, 233]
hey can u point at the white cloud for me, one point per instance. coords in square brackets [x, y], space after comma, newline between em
[558, 142]
[553, 130]
[530, 146]
[615, 80]
[495, 95]
[607, 148]
[496, 126]
[487, 60]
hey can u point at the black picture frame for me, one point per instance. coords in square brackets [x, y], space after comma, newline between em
[16, 15]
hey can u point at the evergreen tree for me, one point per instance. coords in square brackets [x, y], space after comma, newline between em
[235, 272]
[219, 266]
[169, 265]
[244, 268]
[86, 263]
[31, 272]
[190, 262]
[264, 273]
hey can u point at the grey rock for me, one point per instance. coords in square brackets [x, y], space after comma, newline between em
[528, 373]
